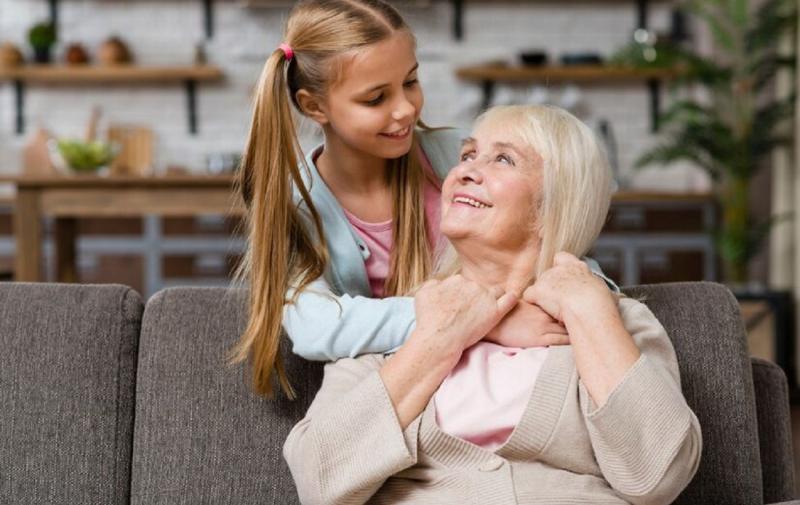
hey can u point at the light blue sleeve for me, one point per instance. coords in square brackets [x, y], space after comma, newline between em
[324, 326]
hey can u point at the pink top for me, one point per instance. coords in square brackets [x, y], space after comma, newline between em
[378, 236]
[483, 398]
[485, 395]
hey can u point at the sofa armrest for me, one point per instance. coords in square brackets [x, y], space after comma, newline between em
[793, 502]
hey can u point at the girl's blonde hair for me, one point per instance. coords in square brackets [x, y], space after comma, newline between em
[286, 244]
[577, 183]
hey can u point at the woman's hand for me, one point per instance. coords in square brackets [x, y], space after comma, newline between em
[602, 347]
[455, 313]
[568, 291]
[527, 325]
[452, 315]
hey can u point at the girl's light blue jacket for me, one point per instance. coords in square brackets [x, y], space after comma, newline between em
[335, 317]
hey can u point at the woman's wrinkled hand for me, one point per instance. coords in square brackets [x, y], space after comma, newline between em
[569, 291]
[455, 313]
[528, 326]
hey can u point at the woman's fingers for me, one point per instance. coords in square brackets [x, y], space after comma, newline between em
[497, 291]
[505, 303]
[555, 339]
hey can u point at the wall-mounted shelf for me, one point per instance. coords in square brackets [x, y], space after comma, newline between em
[208, 15]
[489, 75]
[458, 15]
[121, 74]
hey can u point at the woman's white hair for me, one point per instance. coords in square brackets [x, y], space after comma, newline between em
[577, 183]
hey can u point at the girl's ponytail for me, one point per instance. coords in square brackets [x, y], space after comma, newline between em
[279, 246]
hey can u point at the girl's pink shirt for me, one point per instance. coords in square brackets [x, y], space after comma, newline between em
[484, 396]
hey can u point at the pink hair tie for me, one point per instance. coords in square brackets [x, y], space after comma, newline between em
[287, 50]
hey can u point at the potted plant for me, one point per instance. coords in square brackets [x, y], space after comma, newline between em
[738, 121]
[42, 37]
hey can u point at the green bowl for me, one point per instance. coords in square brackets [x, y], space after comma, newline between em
[86, 156]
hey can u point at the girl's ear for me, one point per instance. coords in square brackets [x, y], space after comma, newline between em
[311, 106]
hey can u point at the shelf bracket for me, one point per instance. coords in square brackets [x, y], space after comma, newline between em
[19, 99]
[208, 18]
[654, 87]
[191, 104]
[641, 14]
[458, 19]
[54, 14]
[488, 94]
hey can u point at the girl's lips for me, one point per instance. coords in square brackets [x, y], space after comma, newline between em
[402, 134]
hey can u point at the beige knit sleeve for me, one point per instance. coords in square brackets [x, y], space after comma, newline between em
[646, 439]
[350, 440]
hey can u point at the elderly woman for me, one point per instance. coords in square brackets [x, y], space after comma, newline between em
[450, 418]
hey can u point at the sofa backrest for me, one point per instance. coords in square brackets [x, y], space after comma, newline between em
[704, 323]
[67, 375]
[201, 434]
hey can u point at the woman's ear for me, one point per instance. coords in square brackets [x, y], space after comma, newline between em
[312, 106]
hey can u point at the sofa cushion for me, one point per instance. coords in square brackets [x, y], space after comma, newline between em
[201, 434]
[67, 375]
[705, 326]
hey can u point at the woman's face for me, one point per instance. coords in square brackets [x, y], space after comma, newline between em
[491, 197]
[376, 102]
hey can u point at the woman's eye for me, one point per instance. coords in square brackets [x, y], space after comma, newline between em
[505, 159]
[467, 155]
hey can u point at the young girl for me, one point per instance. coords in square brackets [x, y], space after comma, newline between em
[336, 237]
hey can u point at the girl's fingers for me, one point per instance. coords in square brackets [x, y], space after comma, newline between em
[556, 339]
[530, 294]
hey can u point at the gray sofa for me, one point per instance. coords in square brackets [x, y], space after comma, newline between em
[108, 401]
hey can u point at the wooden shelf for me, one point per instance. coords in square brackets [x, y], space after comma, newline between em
[188, 75]
[488, 75]
[582, 73]
[129, 74]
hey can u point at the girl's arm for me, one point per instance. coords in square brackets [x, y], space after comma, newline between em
[324, 326]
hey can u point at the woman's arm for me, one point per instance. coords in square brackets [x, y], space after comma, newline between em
[350, 441]
[646, 439]
[368, 411]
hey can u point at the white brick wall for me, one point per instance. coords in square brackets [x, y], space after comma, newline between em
[166, 32]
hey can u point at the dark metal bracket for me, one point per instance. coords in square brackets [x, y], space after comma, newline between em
[19, 100]
[191, 105]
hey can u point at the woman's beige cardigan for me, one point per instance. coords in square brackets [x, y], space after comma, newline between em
[642, 446]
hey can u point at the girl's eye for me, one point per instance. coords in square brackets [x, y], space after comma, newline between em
[375, 101]
[410, 83]
[505, 159]
[467, 155]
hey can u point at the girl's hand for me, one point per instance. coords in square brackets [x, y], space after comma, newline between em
[569, 292]
[528, 326]
[455, 313]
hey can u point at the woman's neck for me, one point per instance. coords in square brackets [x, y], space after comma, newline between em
[350, 172]
[512, 270]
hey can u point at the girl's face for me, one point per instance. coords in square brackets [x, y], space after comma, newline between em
[491, 197]
[377, 100]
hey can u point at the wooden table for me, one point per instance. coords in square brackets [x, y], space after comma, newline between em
[67, 198]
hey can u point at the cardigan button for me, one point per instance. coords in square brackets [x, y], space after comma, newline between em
[491, 465]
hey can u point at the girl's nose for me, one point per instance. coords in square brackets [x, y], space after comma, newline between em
[403, 110]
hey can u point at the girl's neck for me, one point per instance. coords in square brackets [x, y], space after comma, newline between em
[347, 171]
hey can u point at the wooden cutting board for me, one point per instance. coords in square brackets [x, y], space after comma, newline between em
[136, 149]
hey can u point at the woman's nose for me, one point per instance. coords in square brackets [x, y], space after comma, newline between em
[469, 172]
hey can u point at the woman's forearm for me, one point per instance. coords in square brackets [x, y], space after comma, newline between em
[413, 375]
[604, 351]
